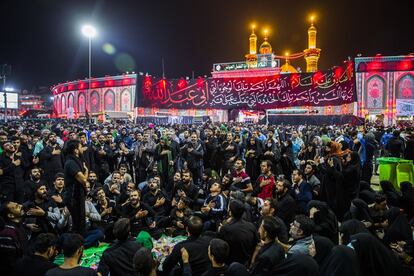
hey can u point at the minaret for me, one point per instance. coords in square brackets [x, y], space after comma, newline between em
[312, 53]
[253, 42]
[251, 57]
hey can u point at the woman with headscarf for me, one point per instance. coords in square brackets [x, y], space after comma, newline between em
[359, 210]
[323, 247]
[407, 198]
[393, 198]
[398, 228]
[374, 258]
[252, 154]
[286, 160]
[341, 261]
[349, 228]
[295, 265]
[332, 180]
[326, 223]
[366, 193]
[352, 173]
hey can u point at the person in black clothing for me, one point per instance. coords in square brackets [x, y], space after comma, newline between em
[395, 145]
[13, 238]
[179, 217]
[9, 164]
[19, 170]
[117, 259]
[326, 223]
[230, 151]
[35, 179]
[72, 248]
[51, 159]
[144, 263]
[140, 214]
[211, 145]
[42, 212]
[107, 210]
[76, 176]
[268, 253]
[286, 205]
[196, 245]
[88, 155]
[239, 234]
[269, 209]
[38, 263]
[58, 190]
[159, 202]
[192, 152]
[409, 147]
[186, 188]
[218, 252]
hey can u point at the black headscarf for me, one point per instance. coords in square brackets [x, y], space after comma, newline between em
[390, 193]
[297, 265]
[323, 247]
[398, 228]
[359, 210]
[373, 257]
[342, 261]
[326, 223]
[351, 227]
[407, 198]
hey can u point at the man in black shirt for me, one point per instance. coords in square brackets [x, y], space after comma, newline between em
[9, 164]
[57, 191]
[268, 253]
[35, 178]
[286, 205]
[158, 200]
[40, 261]
[41, 211]
[186, 188]
[196, 245]
[13, 238]
[117, 259]
[51, 159]
[72, 247]
[140, 214]
[76, 176]
[239, 234]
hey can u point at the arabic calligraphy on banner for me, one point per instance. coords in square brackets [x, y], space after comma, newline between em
[334, 87]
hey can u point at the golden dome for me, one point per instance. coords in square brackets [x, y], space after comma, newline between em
[287, 68]
[265, 48]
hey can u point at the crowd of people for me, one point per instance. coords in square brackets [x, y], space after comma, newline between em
[251, 199]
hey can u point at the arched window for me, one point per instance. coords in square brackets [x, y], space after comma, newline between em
[81, 103]
[63, 104]
[405, 87]
[95, 102]
[375, 93]
[109, 101]
[126, 100]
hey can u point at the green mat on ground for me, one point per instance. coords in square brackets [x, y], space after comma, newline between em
[91, 256]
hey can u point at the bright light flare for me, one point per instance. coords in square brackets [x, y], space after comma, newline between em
[89, 31]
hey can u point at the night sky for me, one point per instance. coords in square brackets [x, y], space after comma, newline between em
[43, 42]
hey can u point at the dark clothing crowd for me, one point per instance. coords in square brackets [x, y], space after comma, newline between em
[251, 199]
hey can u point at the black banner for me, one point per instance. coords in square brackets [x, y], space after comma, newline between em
[333, 87]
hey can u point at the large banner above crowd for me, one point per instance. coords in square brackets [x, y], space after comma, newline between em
[333, 87]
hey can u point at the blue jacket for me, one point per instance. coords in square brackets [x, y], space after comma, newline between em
[304, 195]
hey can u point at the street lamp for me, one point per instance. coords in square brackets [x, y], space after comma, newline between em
[90, 32]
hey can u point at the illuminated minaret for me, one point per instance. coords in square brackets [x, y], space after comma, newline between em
[312, 53]
[253, 42]
[251, 57]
